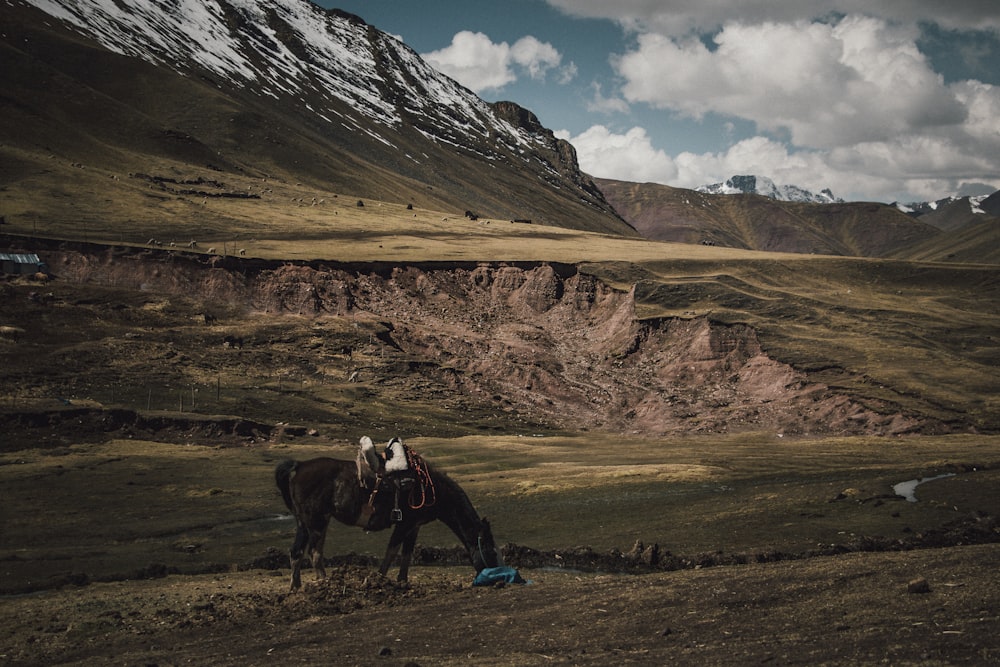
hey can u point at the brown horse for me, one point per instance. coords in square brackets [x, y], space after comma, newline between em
[318, 489]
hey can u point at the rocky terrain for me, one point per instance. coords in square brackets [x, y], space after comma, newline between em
[545, 345]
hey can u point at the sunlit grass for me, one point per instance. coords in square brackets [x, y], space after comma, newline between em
[121, 505]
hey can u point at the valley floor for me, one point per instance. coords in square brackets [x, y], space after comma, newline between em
[849, 609]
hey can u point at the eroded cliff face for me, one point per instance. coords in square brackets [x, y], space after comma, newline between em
[540, 341]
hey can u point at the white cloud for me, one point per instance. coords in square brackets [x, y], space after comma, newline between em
[876, 171]
[756, 155]
[627, 157]
[475, 61]
[982, 123]
[601, 104]
[813, 170]
[567, 73]
[535, 56]
[850, 104]
[825, 85]
[682, 17]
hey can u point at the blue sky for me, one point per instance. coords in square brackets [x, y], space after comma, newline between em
[900, 102]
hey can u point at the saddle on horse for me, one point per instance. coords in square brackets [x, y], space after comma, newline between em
[409, 473]
[404, 468]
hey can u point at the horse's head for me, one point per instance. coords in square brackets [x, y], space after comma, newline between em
[485, 554]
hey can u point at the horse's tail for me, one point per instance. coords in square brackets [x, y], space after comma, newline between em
[283, 477]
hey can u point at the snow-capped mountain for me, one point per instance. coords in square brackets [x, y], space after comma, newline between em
[293, 48]
[348, 91]
[921, 208]
[953, 213]
[761, 185]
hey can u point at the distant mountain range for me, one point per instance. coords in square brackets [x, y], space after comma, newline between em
[952, 213]
[756, 222]
[765, 187]
[761, 185]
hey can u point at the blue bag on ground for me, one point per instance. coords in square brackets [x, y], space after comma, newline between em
[491, 575]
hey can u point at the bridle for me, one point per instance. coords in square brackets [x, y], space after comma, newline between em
[482, 554]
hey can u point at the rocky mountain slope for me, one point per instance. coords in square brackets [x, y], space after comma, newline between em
[969, 230]
[756, 222]
[94, 90]
[953, 213]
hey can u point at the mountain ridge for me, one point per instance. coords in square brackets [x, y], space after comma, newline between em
[952, 213]
[756, 222]
[274, 88]
[764, 186]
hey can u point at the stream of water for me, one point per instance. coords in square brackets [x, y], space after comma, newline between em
[908, 489]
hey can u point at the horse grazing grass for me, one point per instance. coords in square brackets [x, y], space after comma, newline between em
[352, 493]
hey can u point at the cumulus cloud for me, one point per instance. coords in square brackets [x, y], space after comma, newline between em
[632, 157]
[907, 169]
[478, 63]
[840, 92]
[601, 104]
[627, 157]
[474, 60]
[682, 17]
[761, 155]
[534, 56]
[824, 84]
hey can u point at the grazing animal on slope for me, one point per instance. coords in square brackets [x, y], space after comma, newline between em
[352, 493]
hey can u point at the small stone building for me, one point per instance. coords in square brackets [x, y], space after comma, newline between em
[21, 263]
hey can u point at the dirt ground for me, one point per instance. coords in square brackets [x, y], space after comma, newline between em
[927, 607]
[904, 582]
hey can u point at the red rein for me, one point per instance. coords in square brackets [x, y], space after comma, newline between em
[425, 485]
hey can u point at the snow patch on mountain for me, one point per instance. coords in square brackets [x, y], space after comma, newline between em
[761, 185]
[298, 50]
[921, 208]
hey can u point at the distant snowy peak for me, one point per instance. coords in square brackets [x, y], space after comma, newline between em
[761, 185]
[921, 208]
[296, 50]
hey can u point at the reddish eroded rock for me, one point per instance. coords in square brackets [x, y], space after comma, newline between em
[540, 341]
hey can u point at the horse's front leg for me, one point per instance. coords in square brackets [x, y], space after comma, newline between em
[404, 563]
[399, 534]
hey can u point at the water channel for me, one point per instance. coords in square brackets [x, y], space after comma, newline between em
[908, 489]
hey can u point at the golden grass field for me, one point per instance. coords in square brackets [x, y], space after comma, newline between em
[109, 509]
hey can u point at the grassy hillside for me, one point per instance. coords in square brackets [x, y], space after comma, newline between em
[753, 222]
[977, 242]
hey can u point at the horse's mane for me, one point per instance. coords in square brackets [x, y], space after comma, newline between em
[461, 498]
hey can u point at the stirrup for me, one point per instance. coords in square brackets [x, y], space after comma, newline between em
[397, 515]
